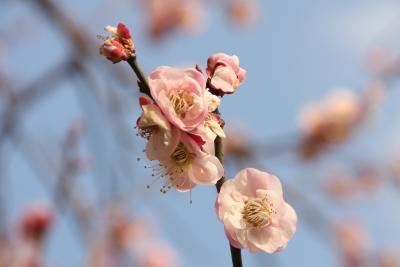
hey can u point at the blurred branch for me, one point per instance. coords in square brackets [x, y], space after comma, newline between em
[67, 196]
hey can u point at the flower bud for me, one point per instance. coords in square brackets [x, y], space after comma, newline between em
[120, 46]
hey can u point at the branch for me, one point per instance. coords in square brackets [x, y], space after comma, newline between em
[236, 253]
[142, 81]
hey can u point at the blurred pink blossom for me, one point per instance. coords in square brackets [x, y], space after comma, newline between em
[243, 12]
[353, 242]
[166, 16]
[383, 63]
[330, 121]
[157, 254]
[35, 222]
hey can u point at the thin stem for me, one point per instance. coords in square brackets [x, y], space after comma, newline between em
[142, 81]
[236, 253]
[219, 153]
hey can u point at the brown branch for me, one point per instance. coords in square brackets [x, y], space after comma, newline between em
[236, 253]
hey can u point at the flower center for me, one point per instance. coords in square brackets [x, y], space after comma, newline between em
[257, 212]
[181, 156]
[181, 102]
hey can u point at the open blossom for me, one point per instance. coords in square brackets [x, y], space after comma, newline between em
[120, 46]
[153, 125]
[188, 166]
[182, 161]
[212, 125]
[254, 213]
[180, 94]
[224, 73]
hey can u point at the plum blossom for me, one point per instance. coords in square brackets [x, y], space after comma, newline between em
[334, 116]
[118, 47]
[153, 125]
[189, 166]
[254, 213]
[330, 121]
[180, 94]
[224, 73]
[181, 160]
[212, 125]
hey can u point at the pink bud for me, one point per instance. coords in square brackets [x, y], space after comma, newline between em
[144, 101]
[113, 51]
[123, 31]
[119, 46]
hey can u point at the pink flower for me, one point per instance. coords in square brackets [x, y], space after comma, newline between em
[180, 94]
[224, 73]
[254, 213]
[113, 50]
[212, 125]
[162, 136]
[118, 47]
[182, 161]
[189, 166]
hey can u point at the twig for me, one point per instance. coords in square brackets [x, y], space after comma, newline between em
[236, 253]
[142, 81]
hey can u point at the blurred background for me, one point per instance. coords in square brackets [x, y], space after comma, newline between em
[73, 175]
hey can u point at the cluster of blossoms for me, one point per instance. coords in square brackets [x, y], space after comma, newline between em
[181, 123]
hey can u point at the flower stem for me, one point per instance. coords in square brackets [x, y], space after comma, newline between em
[236, 253]
[142, 81]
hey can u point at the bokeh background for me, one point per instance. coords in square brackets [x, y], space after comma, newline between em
[68, 117]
